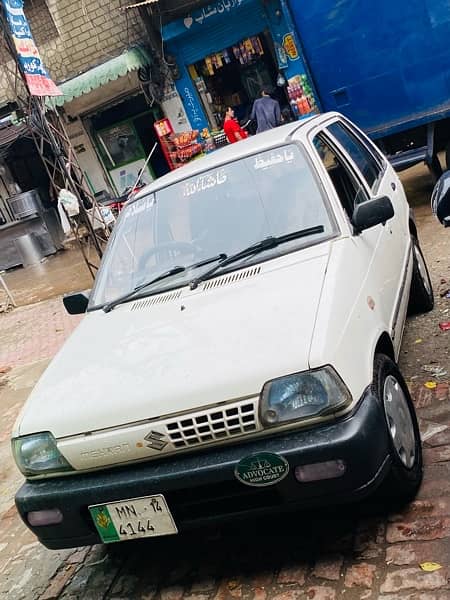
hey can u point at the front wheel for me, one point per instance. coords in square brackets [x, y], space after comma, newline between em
[405, 477]
[421, 297]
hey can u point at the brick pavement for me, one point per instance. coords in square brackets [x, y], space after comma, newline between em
[34, 332]
[365, 552]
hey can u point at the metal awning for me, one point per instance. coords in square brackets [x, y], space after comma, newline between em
[131, 60]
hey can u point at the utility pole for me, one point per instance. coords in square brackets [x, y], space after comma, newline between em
[58, 156]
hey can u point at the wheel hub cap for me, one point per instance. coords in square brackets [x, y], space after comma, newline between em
[400, 423]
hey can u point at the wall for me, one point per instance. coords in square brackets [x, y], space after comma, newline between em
[74, 36]
[86, 156]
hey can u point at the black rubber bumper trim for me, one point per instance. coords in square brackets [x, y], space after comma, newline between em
[201, 487]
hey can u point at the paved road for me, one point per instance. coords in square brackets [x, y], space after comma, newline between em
[358, 553]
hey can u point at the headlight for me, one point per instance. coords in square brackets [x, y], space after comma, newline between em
[303, 396]
[38, 454]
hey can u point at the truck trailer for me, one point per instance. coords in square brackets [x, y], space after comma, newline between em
[385, 65]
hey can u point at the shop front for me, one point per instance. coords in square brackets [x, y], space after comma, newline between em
[227, 52]
[111, 123]
[124, 137]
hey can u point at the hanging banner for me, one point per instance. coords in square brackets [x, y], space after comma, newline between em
[37, 78]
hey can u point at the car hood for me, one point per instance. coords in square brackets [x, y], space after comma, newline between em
[182, 350]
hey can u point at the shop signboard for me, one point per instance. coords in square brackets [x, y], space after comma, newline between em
[290, 46]
[173, 108]
[207, 15]
[36, 75]
[282, 58]
[195, 113]
[217, 8]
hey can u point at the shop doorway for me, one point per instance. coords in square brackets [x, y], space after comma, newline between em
[234, 77]
[124, 137]
[28, 170]
[144, 125]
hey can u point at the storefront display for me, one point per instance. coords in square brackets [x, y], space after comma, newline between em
[244, 52]
[228, 52]
[301, 96]
[180, 148]
[234, 77]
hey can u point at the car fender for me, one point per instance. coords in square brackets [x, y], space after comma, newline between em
[350, 320]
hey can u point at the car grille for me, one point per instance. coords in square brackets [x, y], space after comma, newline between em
[163, 437]
[213, 424]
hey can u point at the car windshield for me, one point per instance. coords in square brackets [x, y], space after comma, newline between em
[218, 212]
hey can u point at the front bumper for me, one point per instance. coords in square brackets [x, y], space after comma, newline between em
[201, 488]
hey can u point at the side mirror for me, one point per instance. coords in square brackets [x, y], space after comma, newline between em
[372, 212]
[77, 303]
[440, 199]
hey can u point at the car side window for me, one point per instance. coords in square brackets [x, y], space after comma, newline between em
[370, 168]
[348, 189]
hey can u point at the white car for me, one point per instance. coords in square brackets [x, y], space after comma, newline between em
[238, 355]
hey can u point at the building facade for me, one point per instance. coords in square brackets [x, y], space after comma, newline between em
[72, 37]
[98, 54]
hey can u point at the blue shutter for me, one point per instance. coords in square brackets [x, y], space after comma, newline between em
[234, 27]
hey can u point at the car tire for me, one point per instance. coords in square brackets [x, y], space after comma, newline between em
[421, 297]
[405, 476]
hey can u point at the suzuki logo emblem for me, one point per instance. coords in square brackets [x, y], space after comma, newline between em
[156, 441]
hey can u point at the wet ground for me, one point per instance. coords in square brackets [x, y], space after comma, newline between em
[426, 349]
[61, 273]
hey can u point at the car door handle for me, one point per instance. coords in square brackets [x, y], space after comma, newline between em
[393, 186]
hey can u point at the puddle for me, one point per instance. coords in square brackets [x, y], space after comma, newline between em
[64, 272]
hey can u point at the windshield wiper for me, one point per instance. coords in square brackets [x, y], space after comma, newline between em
[173, 271]
[266, 244]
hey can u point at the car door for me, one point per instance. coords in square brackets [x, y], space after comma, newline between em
[374, 249]
[394, 250]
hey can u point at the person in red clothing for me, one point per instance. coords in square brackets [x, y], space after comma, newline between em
[232, 129]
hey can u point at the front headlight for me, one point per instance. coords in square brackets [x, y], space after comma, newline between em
[38, 454]
[303, 396]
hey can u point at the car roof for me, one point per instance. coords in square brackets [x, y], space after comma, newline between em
[257, 143]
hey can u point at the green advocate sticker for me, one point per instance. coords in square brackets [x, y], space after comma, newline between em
[261, 469]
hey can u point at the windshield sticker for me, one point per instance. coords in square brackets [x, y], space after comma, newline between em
[265, 161]
[140, 206]
[204, 182]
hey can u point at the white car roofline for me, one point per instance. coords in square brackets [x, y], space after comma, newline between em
[258, 143]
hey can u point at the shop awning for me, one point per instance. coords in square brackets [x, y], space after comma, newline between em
[131, 60]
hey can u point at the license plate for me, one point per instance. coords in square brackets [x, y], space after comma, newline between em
[133, 519]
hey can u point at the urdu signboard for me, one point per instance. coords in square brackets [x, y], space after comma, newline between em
[35, 73]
